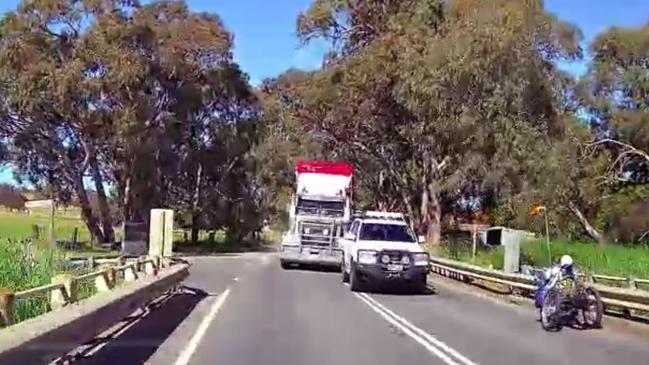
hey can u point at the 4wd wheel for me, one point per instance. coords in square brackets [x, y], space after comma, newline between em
[354, 280]
[420, 286]
[285, 265]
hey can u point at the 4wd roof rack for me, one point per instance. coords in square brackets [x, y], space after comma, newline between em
[384, 215]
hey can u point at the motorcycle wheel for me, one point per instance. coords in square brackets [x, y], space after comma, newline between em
[550, 311]
[594, 310]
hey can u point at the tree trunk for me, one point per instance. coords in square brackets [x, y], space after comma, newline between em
[590, 230]
[104, 209]
[86, 211]
[195, 203]
[433, 216]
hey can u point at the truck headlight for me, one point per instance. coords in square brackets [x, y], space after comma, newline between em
[385, 259]
[287, 248]
[421, 259]
[405, 260]
[367, 257]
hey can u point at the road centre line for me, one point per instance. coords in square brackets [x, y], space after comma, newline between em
[192, 345]
[432, 344]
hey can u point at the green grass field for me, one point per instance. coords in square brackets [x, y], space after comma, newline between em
[610, 259]
[18, 226]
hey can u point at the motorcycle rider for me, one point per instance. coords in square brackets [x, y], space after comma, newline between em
[567, 269]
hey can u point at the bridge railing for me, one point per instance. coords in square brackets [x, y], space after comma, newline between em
[628, 299]
[121, 286]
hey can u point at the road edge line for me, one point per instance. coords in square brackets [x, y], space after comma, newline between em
[193, 343]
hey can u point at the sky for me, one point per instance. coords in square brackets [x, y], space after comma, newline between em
[266, 45]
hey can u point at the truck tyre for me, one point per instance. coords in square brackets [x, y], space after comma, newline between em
[355, 284]
[345, 275]
[285, 265]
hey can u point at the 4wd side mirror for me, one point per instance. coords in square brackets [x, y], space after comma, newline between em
[421, 239]
[349, 236]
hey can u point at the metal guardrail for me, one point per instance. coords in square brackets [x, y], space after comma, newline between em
[63, 289]
[627, 299]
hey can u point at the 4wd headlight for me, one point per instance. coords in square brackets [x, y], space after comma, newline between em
[421, 259]
[385, 259]
[405, 260]
[367, 257]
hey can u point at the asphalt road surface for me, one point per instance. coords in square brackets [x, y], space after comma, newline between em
[246, 310]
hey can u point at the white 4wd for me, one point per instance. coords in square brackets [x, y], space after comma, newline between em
[379, 248]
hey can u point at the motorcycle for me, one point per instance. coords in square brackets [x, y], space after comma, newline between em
[563, 299]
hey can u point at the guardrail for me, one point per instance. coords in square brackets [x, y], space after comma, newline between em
[71, 323]
[63, 289]
[629, 299]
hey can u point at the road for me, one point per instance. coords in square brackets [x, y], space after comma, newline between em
[247, 310]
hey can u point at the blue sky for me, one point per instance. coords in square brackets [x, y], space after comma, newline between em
[265, 42]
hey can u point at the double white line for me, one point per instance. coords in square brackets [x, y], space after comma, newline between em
[432, 344]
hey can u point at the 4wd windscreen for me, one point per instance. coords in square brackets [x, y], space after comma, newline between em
[319, 207]
[385, 232]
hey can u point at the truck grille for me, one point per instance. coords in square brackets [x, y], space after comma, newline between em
[316, 234]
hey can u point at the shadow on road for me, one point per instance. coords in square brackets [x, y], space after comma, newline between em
[140, 341]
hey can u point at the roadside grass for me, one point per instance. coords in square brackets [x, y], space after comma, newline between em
[609, 259]
[24, 266]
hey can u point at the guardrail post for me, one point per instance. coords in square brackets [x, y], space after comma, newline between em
[149, 267]
[6, 307]
[130, 274]
[103, 282]
[69, 294]
[91, 262]
[590, 278]
[631, 283]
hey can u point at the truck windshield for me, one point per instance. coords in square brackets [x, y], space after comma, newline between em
[320, 207]
[385, 232]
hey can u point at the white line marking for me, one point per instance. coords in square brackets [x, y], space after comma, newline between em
[432, 349]
[189, 350]
[421, 332]
[236, 278]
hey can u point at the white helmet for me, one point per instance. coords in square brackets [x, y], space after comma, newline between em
[566, 261]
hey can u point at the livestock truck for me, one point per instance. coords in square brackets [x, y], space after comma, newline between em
[319, 211]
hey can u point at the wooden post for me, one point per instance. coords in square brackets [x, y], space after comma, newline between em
[75, 235]
[52, 236]
[91, 263]
[631, 283]
[61, 298]
[130, 274]
[102, 282]
[6, 307]
[149, 267]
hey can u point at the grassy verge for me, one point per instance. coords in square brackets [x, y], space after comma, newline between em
[24, 266]
[611, 259]
[19, 226]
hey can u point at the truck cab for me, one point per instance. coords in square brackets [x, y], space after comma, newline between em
[380, 248]
[318, 212]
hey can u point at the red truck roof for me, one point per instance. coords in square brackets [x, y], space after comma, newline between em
[324, 167]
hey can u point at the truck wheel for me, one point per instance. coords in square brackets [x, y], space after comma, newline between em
[355, 284]
[345, 274]
[285, 265]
